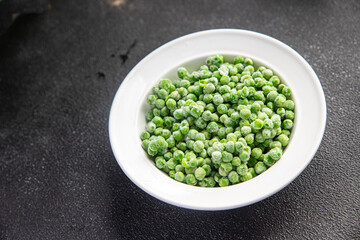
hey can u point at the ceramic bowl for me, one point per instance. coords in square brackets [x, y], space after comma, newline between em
[127, 119]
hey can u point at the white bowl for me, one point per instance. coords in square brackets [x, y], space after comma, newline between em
[127, 119]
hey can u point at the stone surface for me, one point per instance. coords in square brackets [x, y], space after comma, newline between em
[59, 72]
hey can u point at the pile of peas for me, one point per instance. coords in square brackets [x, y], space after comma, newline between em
[221, 125]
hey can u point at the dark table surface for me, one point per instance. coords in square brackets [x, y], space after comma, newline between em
[59, 71]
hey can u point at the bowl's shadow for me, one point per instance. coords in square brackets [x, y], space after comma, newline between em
[135, 214]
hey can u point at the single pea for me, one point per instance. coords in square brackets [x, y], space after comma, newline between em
[268, 160]
[281, 87]
[222, 109]
[279, 101]
[242, 169]
[200, 137]
[259, 137]
[193, 163]
[207, 169]
[179, 176]
[250, 138]
[190, 170]
[214, 117]
[149, 115]
[289, 105]
[171, 164]
[259, 95]
[266, 133]
[245, 113]
[150, 127]
[236, 161]
[271, 96]
[145, 135]
[200, 173]
[164, 112]
[179, 168]
[200, 123]
[210, 182]
[275, 153]
[235, 116]
[203, 153]
[218, 99]
[160, 162]
[216, 157]
[245, 130]
[226, 156]
[178, 155]
[286, 91]
[171, 142]
[151, 99]
[212, 127]
[239, 146]
[244, 156]
[268, 124]
[258, 124]
[168, 156]
[267, 73]
[221, 133]
[230, 146]
[182, 146]
[223, 141]
[281, 112]
[224, 70]
[239, 59]
[251, 162]
[268, 111]
[246, 177]
[196, 111]
[169, 121]
[165, 84]
[198, 146]
[287, 124]
[275, 144]
[163, 93]
[158, 121]
[165, 133]
[223, 182]
[177, 135]
[233, 177]
[248, 61]
[208, 98]
[190, 179]
[159, 103]
[224, 79]
[182, 72]
[234, 79]
[249, 68]
[255, 107]
[209, 88]
[256, 153]
[260, 167]
[158, 131]
[218, 146]
[145, 144]
[237, 133]
[178, 114]
[276, 120]
[289, 115]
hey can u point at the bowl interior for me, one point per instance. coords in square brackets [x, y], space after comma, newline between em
[193, 65]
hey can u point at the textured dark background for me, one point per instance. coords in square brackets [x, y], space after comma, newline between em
[59, 71]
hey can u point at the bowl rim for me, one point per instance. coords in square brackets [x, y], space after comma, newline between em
[187, 37]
